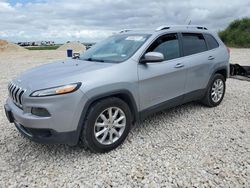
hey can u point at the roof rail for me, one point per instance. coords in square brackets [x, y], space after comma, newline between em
[200, 27]
[164, 27]
[125, 30]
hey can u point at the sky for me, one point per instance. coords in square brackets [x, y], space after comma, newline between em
[94, 20]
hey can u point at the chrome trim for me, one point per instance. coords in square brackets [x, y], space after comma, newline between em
[16, 93]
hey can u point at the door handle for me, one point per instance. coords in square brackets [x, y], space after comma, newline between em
[179, 65]
[211, 58]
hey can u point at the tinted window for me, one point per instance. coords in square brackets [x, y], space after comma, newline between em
[211, 42]
[168, 45]
[193, 43]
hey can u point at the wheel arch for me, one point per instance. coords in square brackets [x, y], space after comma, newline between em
[124, 95]
[222, 71]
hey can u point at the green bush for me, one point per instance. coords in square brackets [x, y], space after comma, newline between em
[237, 34]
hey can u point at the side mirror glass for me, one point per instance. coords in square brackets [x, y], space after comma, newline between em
[152, 57]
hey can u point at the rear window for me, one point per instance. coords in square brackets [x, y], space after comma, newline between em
[193, 43]
[211, 42]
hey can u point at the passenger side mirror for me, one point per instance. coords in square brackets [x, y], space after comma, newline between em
[152, 57]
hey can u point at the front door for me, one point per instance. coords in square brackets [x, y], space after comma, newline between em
[163, 81]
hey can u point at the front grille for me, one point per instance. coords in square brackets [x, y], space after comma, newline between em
[16, 93]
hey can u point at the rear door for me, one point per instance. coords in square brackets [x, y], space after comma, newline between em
[163, 81]
[198, 61]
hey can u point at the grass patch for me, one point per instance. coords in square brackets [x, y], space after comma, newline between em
[42, 47]
[237, 34]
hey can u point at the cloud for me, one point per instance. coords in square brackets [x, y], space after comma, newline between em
[5, 7]
[94, 20]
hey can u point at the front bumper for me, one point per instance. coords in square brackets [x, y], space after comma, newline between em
[44, 136]
[47, 136]
[60, 127]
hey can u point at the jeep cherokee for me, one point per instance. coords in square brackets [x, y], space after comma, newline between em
[94, 99]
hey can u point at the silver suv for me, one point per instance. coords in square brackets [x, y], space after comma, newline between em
[92, 100]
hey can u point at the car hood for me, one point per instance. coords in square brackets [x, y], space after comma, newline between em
[60, 72]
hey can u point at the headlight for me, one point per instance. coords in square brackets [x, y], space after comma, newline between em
[56, 90]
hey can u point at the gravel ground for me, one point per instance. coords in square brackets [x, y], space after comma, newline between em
[190, 145]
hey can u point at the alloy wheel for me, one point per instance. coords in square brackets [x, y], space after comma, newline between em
[110, 125]
[217, 90]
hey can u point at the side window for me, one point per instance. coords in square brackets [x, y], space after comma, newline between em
[193, 43]
[211, 41]
[168, 45]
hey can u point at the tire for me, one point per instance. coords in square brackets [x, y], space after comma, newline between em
[209, 98]
[98, 122]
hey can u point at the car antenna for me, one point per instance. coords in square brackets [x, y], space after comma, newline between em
[186, 20]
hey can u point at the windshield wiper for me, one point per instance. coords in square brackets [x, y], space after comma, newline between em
[91, 59]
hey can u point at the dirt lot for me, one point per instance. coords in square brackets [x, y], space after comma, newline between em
[190, 145]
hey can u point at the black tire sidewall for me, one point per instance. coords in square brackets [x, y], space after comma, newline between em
[96, 110]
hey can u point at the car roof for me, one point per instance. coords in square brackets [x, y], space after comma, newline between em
[168, 28]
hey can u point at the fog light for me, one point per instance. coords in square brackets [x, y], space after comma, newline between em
[42, 112]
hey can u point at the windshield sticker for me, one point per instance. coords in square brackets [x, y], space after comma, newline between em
[135, 38]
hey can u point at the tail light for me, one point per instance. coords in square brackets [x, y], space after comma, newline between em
[228, 50]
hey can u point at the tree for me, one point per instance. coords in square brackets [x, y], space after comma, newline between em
[237, 34]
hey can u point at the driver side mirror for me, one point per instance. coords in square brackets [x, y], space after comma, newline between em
[152, 57]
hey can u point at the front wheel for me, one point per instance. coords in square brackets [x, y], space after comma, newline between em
[215, 92]
[107, 125]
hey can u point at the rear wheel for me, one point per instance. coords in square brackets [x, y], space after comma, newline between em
[106, 126]
[215, 92]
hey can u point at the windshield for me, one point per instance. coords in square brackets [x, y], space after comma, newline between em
[115, 49]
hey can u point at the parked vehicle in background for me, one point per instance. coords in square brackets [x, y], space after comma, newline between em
[93, 100]
[37, 43]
